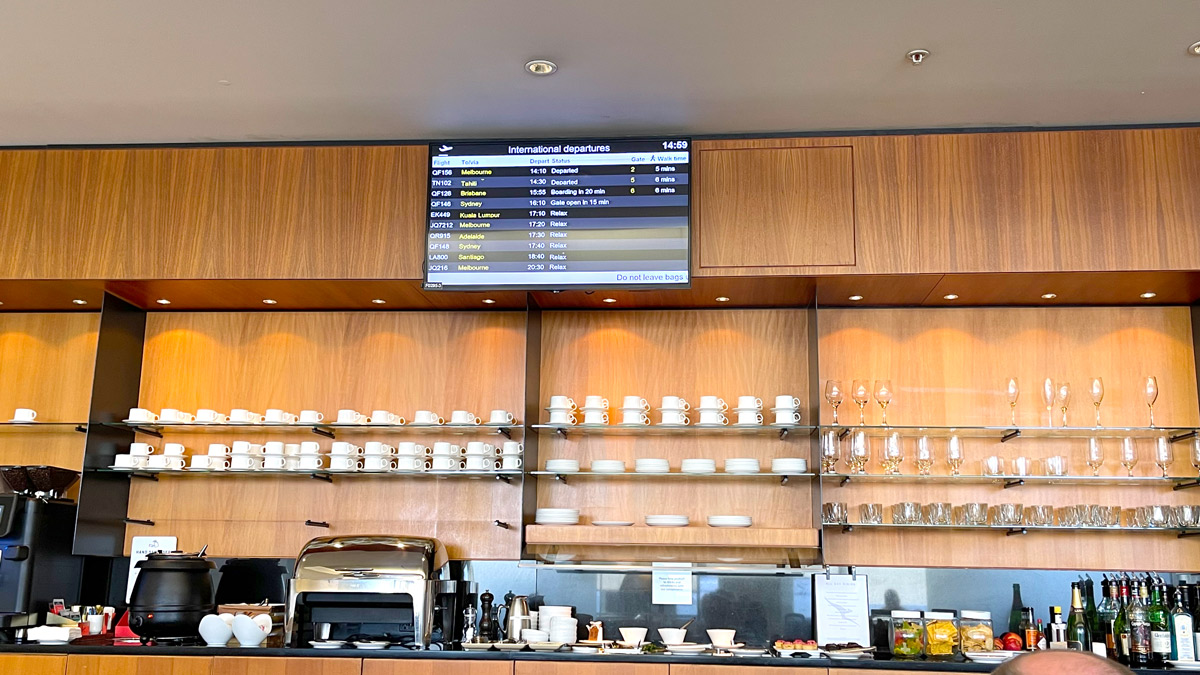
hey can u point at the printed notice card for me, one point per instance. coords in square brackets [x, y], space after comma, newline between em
[840, 609]
[672, 584]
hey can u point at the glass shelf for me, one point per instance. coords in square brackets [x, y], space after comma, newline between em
[1010, 530]
[327, 430]
[782, 431]
[1009, 433]
[324, 474]
[42, 427]
[564, 476]
[1173, 482]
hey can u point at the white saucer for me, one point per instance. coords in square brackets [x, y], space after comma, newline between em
[1178, 665]
[371, 644]
[784, 425]
[511, 646]
[326, 644]
[738, 410]
[480, 646]
[709, 424]
[545, 646]
[612, 523]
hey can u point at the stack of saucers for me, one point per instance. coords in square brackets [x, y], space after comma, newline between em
[667, 521]
[789, 465]
[556, 517]
[608, 466]
[652, 466]
[562, 627]
[698, 466]
[741, 465]
[562, 465]
[729, 521]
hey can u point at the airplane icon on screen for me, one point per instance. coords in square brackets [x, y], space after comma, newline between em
[446, 148]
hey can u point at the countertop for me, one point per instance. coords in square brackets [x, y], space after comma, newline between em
[921, 666]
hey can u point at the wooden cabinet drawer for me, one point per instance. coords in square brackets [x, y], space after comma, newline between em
[435, 667]
[81, 664]
[32, 664]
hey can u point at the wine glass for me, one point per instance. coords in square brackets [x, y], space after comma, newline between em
[1095, 455]
[860, 452]
[1013, 390]
[1097, 391]
[954, 455]
[829, 452]
[924, 456]
[1049, 391]
[1063, 398]
[1151, 391]
[883, 396]
[1164, 454]
[1196, 454]
[893, 454]
[861, 395]
[834, 395]
[1128, 455]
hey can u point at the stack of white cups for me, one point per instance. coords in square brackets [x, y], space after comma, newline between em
[562, 410]
[510, 456]
[674, 411]
[635, 411]
[712, 411]
[787, 410]
[749, 411]
[595, 410]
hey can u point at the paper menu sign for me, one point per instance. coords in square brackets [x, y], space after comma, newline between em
[840, 610]
[671, 583]
[141, 547]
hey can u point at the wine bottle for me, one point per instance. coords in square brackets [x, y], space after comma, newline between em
[1079, 635]
[1139, 628]
[1182, 647]
[1160, 626]
[1017, 611]
[1106, 617]
[1121, 625]
[1089, 608]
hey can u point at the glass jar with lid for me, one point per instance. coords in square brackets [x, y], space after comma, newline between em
[941, 636]
[975, 631]
[908, 635]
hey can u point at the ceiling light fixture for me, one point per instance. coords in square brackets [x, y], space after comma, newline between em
[1149, 294]
[1049, 296]
[1194, 48]
[610, 300]
[163, 301]
[268, 301]
[541, 67]
[856, 298]
[722, 298]
[917, 56]
[950, 296]
[489, 301]
[379, 301]
[79, 302]
[223, 83]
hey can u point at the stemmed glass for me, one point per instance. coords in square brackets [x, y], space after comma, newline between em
[1151, 391]
[1095, 455]
[1097, 391]
[834, 395]
[1063, 398]
[1196, 454]
[1128, 455]
[860, 452]
[1164, 454]
[893, 454]
[829, 452]
[1048, 393]
[861, 395]
[954, 455]
[924, 456]
[1013, 390]
[883, 396]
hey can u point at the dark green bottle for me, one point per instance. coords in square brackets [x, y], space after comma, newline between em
[1160, 626]
[1079, 634]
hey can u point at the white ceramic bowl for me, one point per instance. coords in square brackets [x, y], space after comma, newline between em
[634, 636]
[216, 633]
[247, 632]
[672, 636]
[721, 637]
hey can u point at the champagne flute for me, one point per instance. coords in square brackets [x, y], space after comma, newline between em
[1150, 389]
[1164, 454]
[834, 395]
[1128, 455]
[954, 455]
[924, 456]
[883, 396]
[1013, 390]
[1097, 391]
[1063, 398]
[1095, 455]
[1049, 391]
[829, 452]
[1196, 454]
[861, 395]
[860, 452]
[893, 454]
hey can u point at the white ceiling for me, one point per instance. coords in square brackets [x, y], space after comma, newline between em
[147, 70]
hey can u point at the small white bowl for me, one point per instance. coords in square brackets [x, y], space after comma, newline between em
[672, 636]
[216, 633]
[247, 632]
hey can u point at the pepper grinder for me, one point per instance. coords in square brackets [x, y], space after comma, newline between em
[487, 626]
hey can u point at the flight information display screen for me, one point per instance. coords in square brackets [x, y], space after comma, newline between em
[559, 215]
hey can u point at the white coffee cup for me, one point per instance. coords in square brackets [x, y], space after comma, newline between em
[409, 449]
[210, 416]
[209, 462]
[273, 448]
[344, 449]
[378, 463]
[634, 417]
[345, 463]
[385, 417]
[446, 448]
[246, 448]
[427, 417]
[446, 463]
[787, 417]
[463, 417]
[636, 402]
[349, 416]
[135, 414]
[561, 417]
[749, 402]
[310, 448]
[175, 415]
[218, 449]
[481, 448]
[563, 402]
[280, 462]
[501, 417]
[377, 448]
[245, 462]
[595, 401]
[126, 461]
[750, 417]
[787, 401]
[512, 448]
[291, 449]
[27, 415]
[412, 463]
[164, 462]
[481, 463]
[712, 417]
[595, 417]
[277, 416]
[173, 449]
[310, 462]
[141, 449]
[675, 403]
[244, 416]
[311, 417]
[713, 403]
[511, 462]
[675, 417]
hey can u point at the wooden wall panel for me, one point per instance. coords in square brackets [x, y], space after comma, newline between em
[400, 361]
[182, 222]
[33, 664]
[87, 204]
[949, 366]
[435, 667]
[588, 668]
[46, 363]
[89, 664]
[251, 665]
[22, 182]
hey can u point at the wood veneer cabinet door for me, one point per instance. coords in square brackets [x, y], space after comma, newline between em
[33, 664]
[257, 665]
[579, 668]
[694, 669]
[882, 671]
[435, 667]
[88, 664]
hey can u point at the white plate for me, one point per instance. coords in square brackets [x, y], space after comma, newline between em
[511, 646]
[327, 644]
[1178, 665]
[729, 525]
[687, 649]
[788, 652]
[578, 649]
[545, 646]
[612, 523]
[477, 646]
[52, 642]
[849, 657]
[370, 644]
[738, 410]
[709, 424]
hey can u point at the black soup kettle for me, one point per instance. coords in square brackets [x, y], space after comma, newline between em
[173, 592]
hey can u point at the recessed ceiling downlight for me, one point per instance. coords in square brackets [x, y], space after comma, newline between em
[1049, 296]
[541, 67]
[856, 298]
[1194, 48]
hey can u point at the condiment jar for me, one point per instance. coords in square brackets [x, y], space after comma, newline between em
[975, 631]
[908, 635]
[941, 636]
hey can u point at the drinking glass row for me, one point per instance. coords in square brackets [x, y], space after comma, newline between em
[1013, 515]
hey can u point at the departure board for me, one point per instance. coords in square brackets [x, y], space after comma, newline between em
[559, 215]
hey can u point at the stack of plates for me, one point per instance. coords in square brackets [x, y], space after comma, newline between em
[687, 648]
[789, 465]
[562, 465]
[1000, 656]
[560, 626]
[556, 517]
[698, 466]
[741, 465]
[532, 635]
[608, 466]
[667, 521]
[652, 466]
[729, 521]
